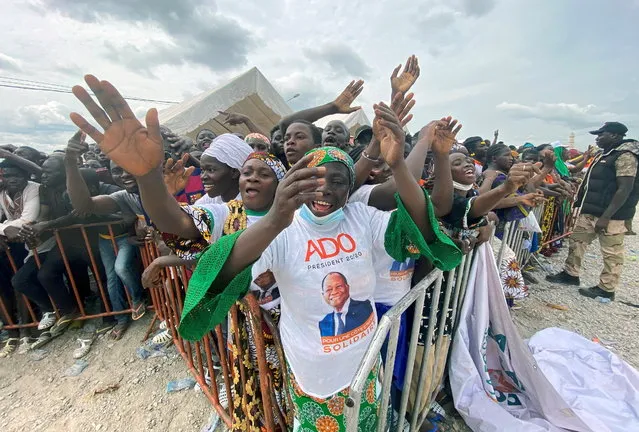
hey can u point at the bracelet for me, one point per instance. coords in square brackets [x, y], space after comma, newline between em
[366, 156]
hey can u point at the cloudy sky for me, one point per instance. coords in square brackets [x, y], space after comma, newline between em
[534, 70]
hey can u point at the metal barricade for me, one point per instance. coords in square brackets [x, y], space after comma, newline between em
[213, 362]
[94, 264]
[423, 377]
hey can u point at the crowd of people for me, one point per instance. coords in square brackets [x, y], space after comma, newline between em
[327, 230]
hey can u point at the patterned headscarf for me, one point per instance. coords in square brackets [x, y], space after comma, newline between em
[230, 150]
[257, 137]
[272, 161]
[324, 155]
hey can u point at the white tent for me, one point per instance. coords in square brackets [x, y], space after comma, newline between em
[250, 94]
[352, 120]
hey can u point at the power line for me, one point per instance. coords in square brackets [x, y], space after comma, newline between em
[58, 88]
[31, 82]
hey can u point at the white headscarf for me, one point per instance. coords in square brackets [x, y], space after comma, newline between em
[229, 149]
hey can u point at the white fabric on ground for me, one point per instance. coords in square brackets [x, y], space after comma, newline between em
[560, 381]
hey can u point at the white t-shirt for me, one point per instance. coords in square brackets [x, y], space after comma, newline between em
[393, 278]
[207, 200]
[362, 194]
[322, 348]
[264, 286]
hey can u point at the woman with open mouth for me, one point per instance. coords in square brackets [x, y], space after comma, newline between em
[319, 248]
[220, 166]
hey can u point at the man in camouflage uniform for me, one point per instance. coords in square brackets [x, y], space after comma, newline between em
[607, 198]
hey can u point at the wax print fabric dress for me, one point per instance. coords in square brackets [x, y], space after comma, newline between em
[214, 221]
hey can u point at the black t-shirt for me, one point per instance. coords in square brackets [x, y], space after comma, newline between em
[455, 219]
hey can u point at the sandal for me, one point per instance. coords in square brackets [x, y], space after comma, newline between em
[105, 327]
[62, 324]
[25, 344]
[138, 311]
[119, 330]
[9, 347]
[43, 339]
[162, 338]
[85, 347]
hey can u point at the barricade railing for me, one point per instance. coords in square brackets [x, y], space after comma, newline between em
[514, 236]
[435, 319]
[225, 367]
[93, 262]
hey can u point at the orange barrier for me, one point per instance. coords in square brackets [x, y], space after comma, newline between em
[231, 378]
[92, 264]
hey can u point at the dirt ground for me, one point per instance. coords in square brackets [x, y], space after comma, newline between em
[35, 395]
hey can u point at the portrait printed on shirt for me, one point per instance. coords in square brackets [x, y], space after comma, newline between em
[402, 270]
[350, 320]
[268, 291]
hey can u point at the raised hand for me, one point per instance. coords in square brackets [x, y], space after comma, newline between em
[76, 146]
[299, 185]
[234, 119]
[403, 82]
[176, 176]
[549, 160]
[518, 176]
[444, 135]
[137, 149]
[344, 101]
[401, 106]
[389, 133]
[532, 199]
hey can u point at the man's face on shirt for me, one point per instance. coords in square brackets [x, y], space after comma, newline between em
[335, 290]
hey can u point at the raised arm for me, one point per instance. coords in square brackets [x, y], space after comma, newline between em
[388, 130]
[440, 136]
[81, 198]
[27, 165]
[401, 83]
[518, 176]
[401, 106]
[582, 163]
[235, 119]
[443, 137]
[341, 105]
[137, 149]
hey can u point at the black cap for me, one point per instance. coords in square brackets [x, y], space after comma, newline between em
[472, 140]
[612, 127]
[362, 129]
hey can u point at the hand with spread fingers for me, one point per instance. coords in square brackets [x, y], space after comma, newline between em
[389, 132]
[347, 97]
[401, 83]
[176, 176]
[299, 185]
[137, 149]
[444, 135]
[401, 105]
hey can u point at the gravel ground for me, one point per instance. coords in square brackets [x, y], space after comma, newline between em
[35, 395]
[614, 324]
